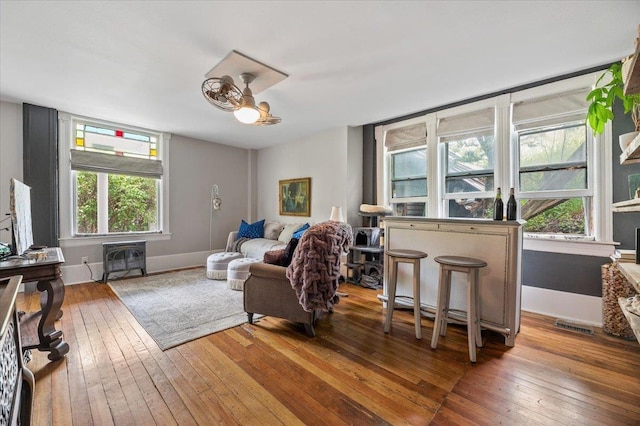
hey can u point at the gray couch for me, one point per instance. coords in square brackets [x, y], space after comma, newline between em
[276, 237]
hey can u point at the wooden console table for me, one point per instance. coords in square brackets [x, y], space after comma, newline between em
[38, 328]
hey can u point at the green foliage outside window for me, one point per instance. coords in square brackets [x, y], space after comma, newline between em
[87, 201]
[567, 217]
[132, 203]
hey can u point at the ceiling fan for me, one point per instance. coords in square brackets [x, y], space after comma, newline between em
[225, 95]
[222, 93]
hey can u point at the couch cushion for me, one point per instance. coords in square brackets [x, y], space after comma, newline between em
[257, 247]
[254, 230]
[272, 230]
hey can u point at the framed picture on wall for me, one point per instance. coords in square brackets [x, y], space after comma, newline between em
[295, 197]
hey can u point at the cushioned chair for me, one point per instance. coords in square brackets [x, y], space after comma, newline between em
[268, 292]
[314, 272]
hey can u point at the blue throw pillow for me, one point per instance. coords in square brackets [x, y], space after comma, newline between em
[298, 232]
[255, 230]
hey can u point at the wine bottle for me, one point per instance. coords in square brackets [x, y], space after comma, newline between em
[512, 206]
[498, 206]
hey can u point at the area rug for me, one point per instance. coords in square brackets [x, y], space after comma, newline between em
[178, 307]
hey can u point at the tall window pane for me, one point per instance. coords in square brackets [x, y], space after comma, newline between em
[409, 174]
[87, 202]
[469, 166]
[132, 204]
[554, 159]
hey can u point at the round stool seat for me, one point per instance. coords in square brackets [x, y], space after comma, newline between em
[408, 254]
[465, 262]
[238, 272]
[217, 264]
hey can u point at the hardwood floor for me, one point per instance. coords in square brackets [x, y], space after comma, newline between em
[351, 373]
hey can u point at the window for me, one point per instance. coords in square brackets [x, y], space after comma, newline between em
[534, 140]
[408, 169]
[553, 165]
[468, 143]
[117, 179]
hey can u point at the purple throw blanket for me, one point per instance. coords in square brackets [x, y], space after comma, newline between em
[315, 267]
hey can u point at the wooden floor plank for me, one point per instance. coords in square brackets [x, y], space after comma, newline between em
[350, 373]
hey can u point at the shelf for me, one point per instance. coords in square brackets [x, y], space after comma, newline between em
[631, 154]
[632, 83]
[627, 206]
[634, 320]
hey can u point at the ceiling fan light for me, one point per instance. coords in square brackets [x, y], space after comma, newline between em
[247, 114]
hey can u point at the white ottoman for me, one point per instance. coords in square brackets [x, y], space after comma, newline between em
[217, 264]
[238, 272]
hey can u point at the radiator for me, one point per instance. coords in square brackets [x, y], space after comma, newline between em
[124, 256]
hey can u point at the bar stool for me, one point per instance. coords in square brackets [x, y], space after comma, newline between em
[471, 267]
[413, 257]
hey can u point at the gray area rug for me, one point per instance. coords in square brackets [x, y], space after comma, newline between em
[177, 307]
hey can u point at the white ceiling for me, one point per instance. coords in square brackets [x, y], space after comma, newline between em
[349, 62]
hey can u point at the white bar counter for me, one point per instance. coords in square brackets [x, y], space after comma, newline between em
[499, 243]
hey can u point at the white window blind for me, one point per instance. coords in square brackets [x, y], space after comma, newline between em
[548, 111]
[406, 137]
[117, 164]
[481, 121]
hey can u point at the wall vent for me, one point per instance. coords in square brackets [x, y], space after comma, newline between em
[124, 256]
[573, 326]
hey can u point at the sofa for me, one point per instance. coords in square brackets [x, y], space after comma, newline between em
[308, 286]
[276, 235]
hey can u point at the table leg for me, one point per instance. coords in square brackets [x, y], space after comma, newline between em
[50, 338]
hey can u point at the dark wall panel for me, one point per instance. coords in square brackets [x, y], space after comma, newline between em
[369, 185]
[563, 272]
[624, 224]
[40, 171]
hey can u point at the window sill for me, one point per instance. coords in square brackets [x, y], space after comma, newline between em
[86, 241]
[567, 246]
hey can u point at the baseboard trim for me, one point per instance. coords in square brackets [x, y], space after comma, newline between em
[559, 304]
[78, 274]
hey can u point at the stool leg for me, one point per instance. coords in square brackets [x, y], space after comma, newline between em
[391, 296]
[447, 301]
[437, 322]
[478, 313]
[416, 298]
[471, 315]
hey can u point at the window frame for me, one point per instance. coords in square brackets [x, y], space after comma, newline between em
[66, 137]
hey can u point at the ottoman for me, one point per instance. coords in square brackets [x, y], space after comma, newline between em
[238, 272]
[217, 264]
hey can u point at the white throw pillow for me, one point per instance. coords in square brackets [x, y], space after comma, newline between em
[272, 230]
[288, 230]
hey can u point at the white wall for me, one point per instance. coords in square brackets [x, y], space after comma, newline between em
[10, 157]
[325, 158]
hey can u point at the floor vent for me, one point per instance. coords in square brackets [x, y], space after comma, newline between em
[572, 326]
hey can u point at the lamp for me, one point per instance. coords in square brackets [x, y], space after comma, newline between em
[247, 112]
[336, 214]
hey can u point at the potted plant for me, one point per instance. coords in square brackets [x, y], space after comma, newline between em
[602, 98]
